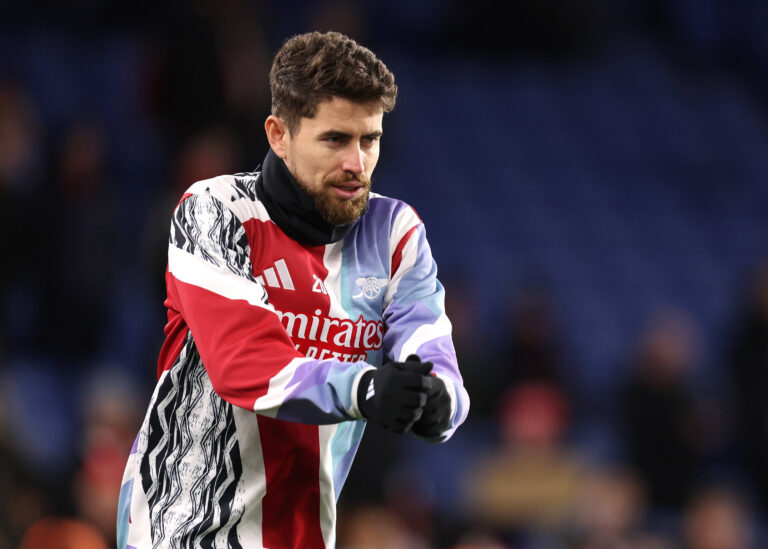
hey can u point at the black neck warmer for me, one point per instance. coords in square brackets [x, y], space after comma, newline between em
[292, 209]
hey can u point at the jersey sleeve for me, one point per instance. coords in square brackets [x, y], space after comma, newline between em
[414, 312]
[247, 354]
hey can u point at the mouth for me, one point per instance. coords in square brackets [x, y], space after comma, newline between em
[347, 190]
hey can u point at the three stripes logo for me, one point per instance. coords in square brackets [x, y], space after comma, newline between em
[277, 276]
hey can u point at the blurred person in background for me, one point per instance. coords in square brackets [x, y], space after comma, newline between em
[62, 533]
[748, 369]
[80, 275]
[533, 345]
[21, 193]
[296, 294]
[533, 349]
[525, 488]
[111, 411]
[30, 511]
[481, 377]
[208, 68]
[22, 499]
[608, 512]
[377, 527]
[718, 518]
[658, 410]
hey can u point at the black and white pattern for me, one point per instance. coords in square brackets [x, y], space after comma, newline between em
[203, 227]
[245, 186]
[191, 465]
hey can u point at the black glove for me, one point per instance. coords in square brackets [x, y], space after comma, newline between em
[436, 416]
[394, 394]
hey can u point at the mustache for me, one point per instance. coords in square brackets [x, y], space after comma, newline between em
[348, 177]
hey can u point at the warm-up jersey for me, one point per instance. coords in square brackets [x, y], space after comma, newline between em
[253, 424]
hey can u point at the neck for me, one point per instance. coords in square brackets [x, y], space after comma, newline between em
[292, 209]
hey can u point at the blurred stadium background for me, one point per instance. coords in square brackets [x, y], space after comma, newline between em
[593, 176]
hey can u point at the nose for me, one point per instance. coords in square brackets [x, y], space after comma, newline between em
[353, 159]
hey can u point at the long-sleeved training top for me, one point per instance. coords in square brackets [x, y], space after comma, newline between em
[253, 424]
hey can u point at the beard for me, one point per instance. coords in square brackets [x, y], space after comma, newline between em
[338, 211]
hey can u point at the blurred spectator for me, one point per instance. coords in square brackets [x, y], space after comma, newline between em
[478, 363]
[748, 368]
[531, 481]
[21, 171]
[532, 349]
[717, 518]
[608, 511]
[22, 499]
[62, 533]
[661, 427]
[208, 153]
[376, 527]
[83, 255]
[245, 63]
[112, 413]
[533, 344]
[185, 85]
[20, 141]
[209, 67]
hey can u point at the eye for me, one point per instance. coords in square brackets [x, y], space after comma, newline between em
[370, 139]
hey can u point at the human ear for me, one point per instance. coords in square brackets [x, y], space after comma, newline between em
[277, 134]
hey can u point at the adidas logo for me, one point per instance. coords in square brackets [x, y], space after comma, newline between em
[277, 276]
[371, 391]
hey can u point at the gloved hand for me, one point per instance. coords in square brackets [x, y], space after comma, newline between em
[394, 394]
[436, 416]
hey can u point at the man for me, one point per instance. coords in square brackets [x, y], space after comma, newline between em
[299, 305]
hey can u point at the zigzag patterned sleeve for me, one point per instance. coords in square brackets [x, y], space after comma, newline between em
[248, 356]
[415, 312]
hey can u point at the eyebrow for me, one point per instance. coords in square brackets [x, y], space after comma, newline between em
[337, 134]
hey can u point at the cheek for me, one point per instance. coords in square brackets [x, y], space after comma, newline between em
[371, 160]
[305, 167]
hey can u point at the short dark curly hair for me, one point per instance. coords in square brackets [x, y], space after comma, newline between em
[312, 67]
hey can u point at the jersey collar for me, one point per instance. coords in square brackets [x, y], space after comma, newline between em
[292, 209]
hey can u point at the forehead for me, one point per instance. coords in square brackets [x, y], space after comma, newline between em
[343, 115]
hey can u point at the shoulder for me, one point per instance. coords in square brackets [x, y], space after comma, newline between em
[235, 192]
[399, 216]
